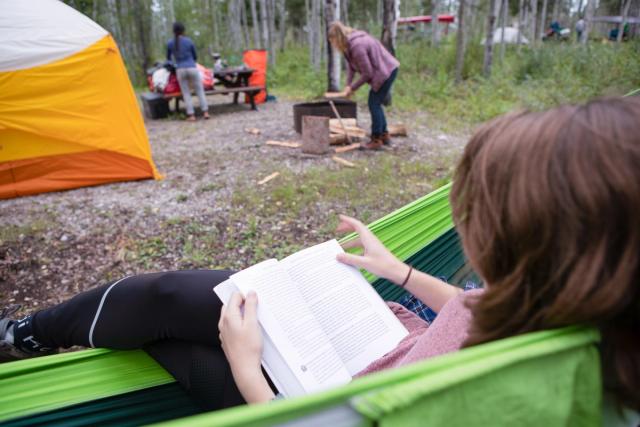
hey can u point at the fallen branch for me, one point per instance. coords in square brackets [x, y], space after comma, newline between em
[346, 148]
[343, 161]
[268, 178]
[288, 144]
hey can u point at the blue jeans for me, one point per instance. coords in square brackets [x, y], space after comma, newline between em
[376, 99]
[426, 313]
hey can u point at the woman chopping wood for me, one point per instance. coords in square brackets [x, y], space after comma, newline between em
[366, 56]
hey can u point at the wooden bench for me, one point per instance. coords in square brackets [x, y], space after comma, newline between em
[251, 91]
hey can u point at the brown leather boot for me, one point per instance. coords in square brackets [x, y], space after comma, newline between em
[375, 143]
[386, 138]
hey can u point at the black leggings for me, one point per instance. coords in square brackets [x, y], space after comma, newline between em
[173, 316]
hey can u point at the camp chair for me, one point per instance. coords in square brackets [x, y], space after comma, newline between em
[549, 377]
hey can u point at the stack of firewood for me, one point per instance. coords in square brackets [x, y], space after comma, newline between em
[339, 131]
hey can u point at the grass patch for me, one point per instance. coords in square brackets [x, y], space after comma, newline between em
[14, 233]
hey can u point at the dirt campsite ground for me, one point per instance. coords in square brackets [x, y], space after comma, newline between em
[209, 211]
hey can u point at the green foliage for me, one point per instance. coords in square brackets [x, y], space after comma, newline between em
[532, 78]
[295, 77]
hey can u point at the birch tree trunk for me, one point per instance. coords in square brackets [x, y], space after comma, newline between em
[171, 16]
[488, 44]
[95, 11]
[543, 20]
[282, 21]
[460, 41]
[271, 13]
[344, 13]
[255, 24]
[264, 23]
[503, 21]
[141, 16]
[235, 27]
[625, 14]
[114, 22]
[332, 13]
[307, 10]
[522, 24]
[389, 25]
[533, 6]
[435, 26]
[556, 9]
[588, 19]
[214, 26]
[314, 34]
[244, 23]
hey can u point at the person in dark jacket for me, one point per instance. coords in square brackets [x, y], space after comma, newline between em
[366, 56]
[182, 51]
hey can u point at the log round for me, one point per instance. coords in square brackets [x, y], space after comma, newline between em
[347, 109]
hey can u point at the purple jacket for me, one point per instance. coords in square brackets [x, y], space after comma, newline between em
[368, 57]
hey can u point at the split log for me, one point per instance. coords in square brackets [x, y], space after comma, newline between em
[268, 178]
[346, 148]
[335, 95]
[353, 131]
[344, 162]
[398, 130]
[338, 139]
[335, 111]
[287, 144]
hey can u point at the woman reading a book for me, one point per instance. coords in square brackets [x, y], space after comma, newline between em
[547, 206]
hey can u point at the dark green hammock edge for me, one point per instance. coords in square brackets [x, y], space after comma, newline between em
[443, 258]
[151, 405]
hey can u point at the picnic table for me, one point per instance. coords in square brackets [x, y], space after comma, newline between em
[232, 80]
[235, 80]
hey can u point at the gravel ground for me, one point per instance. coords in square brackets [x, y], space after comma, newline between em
[54, 245]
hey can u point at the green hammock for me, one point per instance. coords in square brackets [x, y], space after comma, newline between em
[552, 374]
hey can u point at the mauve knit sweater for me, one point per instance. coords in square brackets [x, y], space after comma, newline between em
[368, 57]
[445, 335]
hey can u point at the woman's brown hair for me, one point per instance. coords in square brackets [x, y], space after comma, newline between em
[548, 208]
[339, 34]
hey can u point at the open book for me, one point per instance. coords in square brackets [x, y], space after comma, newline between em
[321, 321]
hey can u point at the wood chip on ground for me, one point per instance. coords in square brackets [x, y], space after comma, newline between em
[343, 161]
[268, 178]
[253, 131]
[398, 130]
[287, 144]
[346, 148]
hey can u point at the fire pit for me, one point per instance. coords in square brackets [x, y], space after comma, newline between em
[347, 110]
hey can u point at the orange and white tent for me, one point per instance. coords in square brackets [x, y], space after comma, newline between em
[68, 114]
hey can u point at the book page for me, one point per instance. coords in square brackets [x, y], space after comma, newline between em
[292, 327]
[272, 361]
[357, 321]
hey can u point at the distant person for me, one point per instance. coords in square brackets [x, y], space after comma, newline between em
[366, 56]
[579, 29]
[182, 52]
